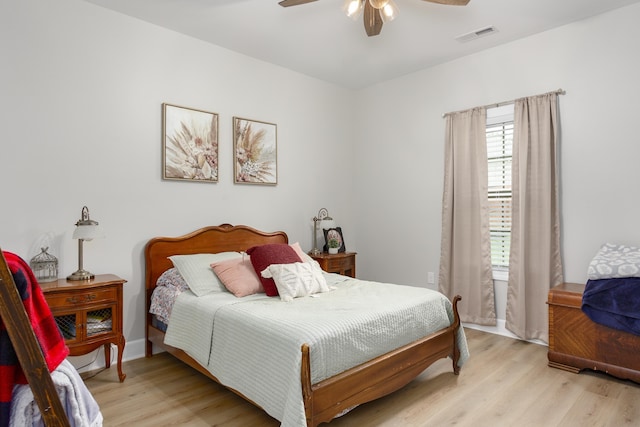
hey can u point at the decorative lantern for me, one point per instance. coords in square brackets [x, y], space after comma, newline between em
[45, 266]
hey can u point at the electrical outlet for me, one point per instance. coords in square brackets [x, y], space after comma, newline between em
[431, 278]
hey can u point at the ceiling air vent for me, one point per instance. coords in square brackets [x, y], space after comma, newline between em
[482, 32]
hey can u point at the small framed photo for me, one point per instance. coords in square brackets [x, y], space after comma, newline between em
[255, 152]
[190, 144]
[333, 237]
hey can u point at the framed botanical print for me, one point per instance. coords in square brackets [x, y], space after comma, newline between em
[190, 144]
[255, 152]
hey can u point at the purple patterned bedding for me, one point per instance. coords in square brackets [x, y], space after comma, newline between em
[170, 284]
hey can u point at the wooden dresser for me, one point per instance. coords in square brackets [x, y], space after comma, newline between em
[576, 342]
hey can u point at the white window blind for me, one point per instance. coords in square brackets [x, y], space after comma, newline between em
[499, 134]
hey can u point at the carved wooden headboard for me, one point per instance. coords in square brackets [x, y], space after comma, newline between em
[213, 239]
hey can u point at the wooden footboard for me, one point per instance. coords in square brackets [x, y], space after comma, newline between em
[378, 377]
[369, 381]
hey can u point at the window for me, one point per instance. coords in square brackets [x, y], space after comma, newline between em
[499, 134]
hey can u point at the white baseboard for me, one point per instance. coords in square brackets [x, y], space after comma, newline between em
[499, 329]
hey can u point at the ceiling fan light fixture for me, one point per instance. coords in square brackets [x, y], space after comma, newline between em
[378, 4]
[353, 8]
[389, 12]
[375, 12]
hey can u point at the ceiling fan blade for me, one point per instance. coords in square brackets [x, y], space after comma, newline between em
[450, 2]
[287, 3]
[372, 20]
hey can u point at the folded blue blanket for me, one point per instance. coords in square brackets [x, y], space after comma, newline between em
[614, 303]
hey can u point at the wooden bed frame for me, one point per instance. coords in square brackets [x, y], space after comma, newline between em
[323, 401]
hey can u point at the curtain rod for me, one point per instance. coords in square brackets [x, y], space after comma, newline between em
[500, 104]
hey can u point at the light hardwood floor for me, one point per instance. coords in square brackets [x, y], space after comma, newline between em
[505, 382]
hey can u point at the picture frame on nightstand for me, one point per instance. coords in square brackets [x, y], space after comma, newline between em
[333, 233]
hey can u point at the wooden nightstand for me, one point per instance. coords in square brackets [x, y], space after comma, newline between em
[89, 314]
[342, 263]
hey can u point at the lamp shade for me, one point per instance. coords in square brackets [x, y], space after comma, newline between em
[353, 8]
[328, 223]
[389, 11]
[378, 4]
[86, 228]
[88, 232]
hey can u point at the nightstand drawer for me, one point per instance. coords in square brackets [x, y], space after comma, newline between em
[89, 296]
[339, 264]
[342, 263]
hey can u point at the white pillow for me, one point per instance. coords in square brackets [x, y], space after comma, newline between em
[196, 270]
[298, 279]
[615, 261]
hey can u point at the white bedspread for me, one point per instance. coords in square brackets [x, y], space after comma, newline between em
[345, 327]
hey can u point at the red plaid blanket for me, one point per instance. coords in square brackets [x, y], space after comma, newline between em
[44, 326]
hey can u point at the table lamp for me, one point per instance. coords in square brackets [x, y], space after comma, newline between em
[86, 229]
[326, 222]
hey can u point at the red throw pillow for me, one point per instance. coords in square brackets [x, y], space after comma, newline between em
[274, 253]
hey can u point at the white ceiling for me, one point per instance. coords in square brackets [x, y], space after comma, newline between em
[318, 40]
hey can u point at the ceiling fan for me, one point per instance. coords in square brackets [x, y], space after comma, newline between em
[376, 12]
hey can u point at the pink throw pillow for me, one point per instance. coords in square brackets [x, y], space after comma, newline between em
[238, 276]
[296, 247]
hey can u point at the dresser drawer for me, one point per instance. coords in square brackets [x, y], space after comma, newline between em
[88, 296]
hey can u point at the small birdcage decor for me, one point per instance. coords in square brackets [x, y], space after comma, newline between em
[45, 266]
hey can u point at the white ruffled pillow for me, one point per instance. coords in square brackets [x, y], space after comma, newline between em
[298, 279]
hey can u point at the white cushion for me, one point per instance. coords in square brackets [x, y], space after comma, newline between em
[298, 279]
[615, 261]
[197, 272]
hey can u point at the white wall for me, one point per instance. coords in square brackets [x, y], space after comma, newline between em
[80, 120]
[400, 159]
[82, 89]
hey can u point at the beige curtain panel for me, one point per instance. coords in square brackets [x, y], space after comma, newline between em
[535, 263]
[465, 258]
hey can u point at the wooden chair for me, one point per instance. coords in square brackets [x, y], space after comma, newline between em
[28, 350]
